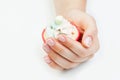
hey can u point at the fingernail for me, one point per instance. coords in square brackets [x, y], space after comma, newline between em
[50, 42]
[61, 38]
[47, 59]
[88, 41]
[46, 48]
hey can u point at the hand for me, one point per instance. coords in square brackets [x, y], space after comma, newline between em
[65, 53]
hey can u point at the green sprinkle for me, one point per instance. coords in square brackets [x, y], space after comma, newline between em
[58, 20]
[51, 27]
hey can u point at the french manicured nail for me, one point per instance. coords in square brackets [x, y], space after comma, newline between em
[46, 48]
[88, 41]
[61, 38]
[50, 42]
[47, 59]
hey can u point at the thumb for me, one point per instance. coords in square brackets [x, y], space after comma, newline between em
[88, 36]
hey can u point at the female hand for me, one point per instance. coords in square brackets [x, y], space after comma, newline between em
[65, 53]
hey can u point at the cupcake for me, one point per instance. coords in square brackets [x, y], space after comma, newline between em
[61, 26]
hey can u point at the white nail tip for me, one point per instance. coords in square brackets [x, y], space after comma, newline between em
[88, 41]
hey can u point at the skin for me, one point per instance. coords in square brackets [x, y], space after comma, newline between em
[65, 53]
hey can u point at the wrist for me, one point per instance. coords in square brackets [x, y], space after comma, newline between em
[65, 6]
[71, 13]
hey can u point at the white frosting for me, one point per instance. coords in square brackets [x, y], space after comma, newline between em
[61, 26]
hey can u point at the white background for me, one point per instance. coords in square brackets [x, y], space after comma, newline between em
[21, 55]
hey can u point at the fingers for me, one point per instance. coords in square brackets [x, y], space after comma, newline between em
[58, 62]
[95, 46]
[73, 45]
[89, 35]
[65, 53]
[62, 50]
[51, 63]
[62, 62]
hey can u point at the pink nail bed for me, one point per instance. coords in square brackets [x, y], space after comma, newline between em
[46, 48]
[47, 59]
[61, 38]
[50, 42]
